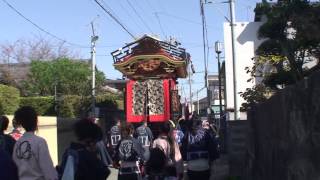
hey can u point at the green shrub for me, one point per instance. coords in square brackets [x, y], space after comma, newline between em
[9, 99]
[120, 104]
[72, 106]
[66, 109]
[44, 105]
[106, 101]
[69, 106]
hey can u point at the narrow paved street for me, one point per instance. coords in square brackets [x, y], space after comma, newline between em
[220, 170]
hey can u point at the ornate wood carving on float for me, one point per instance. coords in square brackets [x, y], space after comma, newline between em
[152, 67]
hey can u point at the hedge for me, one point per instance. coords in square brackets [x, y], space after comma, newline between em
[9, 99]
[69, 106]
[106, 101]
[44, 105]
[73, 106]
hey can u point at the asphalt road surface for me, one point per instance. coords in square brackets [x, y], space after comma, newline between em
[219, 171]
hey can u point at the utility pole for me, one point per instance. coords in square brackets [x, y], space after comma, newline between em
[56, 103]
[198, 103]
[198, 110]
[94, 38]
[218, 49]
[190, 86]
[204, 36]
[234, 62]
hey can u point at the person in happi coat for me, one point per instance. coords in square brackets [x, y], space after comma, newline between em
[129, 155]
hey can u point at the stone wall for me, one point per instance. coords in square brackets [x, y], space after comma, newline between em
[284, 134]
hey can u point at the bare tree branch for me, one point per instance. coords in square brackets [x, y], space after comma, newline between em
[37, 48]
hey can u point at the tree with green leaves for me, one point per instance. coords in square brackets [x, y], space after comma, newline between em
[291, 34]
[63, 76]
[292, 39]
[9, 99]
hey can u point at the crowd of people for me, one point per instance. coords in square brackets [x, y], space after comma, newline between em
[130, 148]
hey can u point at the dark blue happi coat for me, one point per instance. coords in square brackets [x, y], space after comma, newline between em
[129, 149]
[199, 144]
[115, 136]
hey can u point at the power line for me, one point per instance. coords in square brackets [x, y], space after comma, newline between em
[110, 9]
[136, 12]
[161, 5]
[130, 16]
[142, 9]
[115, 19]
[245, 6]
[103, 55]
[221, 13]
[38, 27]
[183, 19]
[162, 31]
[112, 45]
[149, 4]
[115, 14]
[158, 19]
[162, 8]
[180, 18]
[186, 83]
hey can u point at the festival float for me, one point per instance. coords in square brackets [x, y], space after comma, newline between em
[152, 68]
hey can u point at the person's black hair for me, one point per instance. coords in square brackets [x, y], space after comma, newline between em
[183, 125]
[156, 162]
[140, 124]
[115, 121]
[165, 128]
[85, 129]
[127, 130]
[117, 118]
[27, 117]
[4, 122]
[15, 124]
[194, 125]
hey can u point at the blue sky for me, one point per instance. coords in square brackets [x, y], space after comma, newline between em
[70, 19]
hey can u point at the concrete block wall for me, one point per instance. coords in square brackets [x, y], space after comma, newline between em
[236, 147]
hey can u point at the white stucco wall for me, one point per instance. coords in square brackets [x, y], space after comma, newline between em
[246, 44]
